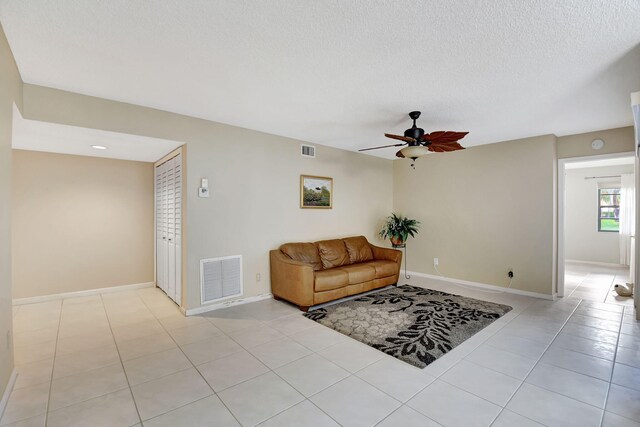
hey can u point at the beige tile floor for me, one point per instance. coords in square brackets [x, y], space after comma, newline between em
[593, 282]
[130, 358]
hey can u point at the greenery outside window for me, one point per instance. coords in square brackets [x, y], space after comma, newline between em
[609, 209]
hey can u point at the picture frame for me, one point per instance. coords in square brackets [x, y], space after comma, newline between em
[316, 192]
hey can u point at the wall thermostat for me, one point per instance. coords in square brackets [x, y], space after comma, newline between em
[597, 144]
[203, 191]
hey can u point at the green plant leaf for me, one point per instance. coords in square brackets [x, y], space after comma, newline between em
[399, 227]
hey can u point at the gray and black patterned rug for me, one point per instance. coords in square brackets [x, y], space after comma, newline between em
[412, 324]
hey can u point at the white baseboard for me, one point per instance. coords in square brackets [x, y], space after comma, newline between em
[54, 297]
[483, 285]
[604, 264]
[7, 391]
[218, 306]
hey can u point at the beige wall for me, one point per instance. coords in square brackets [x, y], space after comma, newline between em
[10, 92]
[484, 210]
[253, 177]
[254, 204]
[619, 140]
[473, 240]
[583, 241]
[80, 223]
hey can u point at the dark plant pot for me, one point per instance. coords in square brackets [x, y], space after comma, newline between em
[397, 242]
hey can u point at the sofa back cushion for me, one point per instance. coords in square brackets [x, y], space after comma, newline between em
[303, 252]
[358, 249]
[333, 253]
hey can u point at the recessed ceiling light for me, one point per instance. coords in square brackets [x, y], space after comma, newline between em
[99, 147]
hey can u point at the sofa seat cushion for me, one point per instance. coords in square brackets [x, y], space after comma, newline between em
[333, 253]
[359, 249]
[384, 268]
[359, 273]
[327, 280]
[303, 252]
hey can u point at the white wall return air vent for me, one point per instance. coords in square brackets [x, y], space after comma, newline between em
[220, 278]
[308, 150]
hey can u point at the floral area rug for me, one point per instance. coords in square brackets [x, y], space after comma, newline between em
[412, 324]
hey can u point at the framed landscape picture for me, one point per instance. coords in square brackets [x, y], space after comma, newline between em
[316, 192]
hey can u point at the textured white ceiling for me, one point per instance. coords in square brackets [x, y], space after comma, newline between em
[342, 73]
[55, 138]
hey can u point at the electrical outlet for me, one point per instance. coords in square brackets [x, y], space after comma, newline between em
[435, 261]
[258, 277]
[510, 274]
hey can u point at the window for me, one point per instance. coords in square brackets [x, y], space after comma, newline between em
[609, 209]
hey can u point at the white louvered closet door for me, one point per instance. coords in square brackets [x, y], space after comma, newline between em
[177, 228]
[171, 231]
[159, 226]
[168, 227]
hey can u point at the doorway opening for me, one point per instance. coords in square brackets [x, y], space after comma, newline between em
[596, 221]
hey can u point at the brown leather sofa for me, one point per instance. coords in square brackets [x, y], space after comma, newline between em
[307, 274]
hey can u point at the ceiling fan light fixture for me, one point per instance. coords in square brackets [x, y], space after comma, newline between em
[419, 144]
[413, 152]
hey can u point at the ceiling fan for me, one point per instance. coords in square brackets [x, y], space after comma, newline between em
[420, 143]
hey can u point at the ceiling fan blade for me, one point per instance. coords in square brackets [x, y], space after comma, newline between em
[401, 138]
[444, 136]
[383, 146]
[399, 154]
[439, 147]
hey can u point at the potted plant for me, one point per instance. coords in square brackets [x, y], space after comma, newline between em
[398, 228]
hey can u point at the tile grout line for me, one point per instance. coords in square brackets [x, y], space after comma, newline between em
[124, 371]
[313, 352]
[534, 366]
[587, 354]
[610, 287]
[410, 408]
[192, 365]
[435, 377]
[438, 377]
[53, 366]
[305, 398]
[485, 342]
[350, 374]
[502, 408]
[603, 409]
[179, 407]
[613, 368]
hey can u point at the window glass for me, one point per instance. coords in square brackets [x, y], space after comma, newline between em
[609, 209]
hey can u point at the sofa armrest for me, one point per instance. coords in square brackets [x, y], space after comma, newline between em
[291, 280]
[386, 253]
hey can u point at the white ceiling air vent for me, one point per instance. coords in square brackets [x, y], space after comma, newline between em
[308, 150]
[220, 278]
